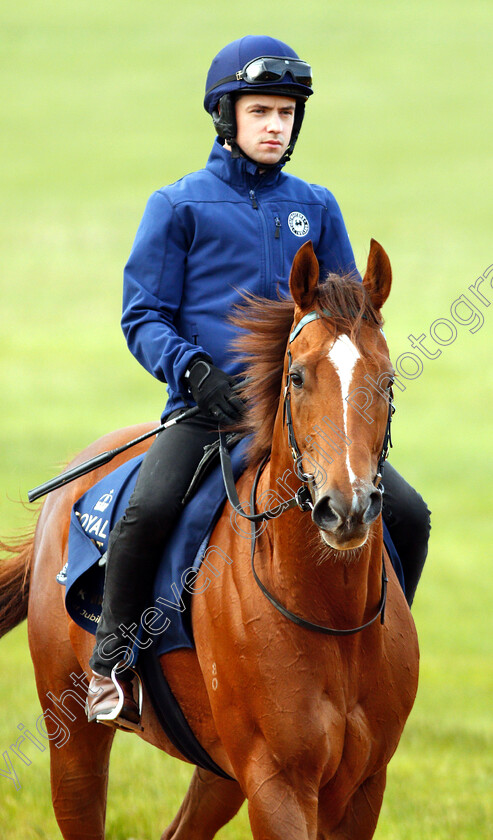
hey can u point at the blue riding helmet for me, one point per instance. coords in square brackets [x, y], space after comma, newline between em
[249, 64]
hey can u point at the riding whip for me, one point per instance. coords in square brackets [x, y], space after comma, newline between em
[104, 457]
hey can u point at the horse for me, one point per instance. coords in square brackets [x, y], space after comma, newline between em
[305, 664]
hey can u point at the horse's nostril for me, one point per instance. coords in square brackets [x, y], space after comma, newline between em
[323, 514]
[331, 511]
[374, 506]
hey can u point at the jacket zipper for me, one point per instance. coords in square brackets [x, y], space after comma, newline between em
[266, 238]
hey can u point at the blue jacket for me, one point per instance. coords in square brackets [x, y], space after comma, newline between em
[205, 238]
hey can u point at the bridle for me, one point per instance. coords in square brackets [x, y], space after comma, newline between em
[303, 494]
[302, 498]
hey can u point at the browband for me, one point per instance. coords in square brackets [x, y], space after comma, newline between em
[312, 316]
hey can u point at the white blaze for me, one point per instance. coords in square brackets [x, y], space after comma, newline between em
[344, 355]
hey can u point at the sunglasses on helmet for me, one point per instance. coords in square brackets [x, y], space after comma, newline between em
[270, 68]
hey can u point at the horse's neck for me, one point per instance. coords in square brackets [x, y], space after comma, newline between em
[326, 586]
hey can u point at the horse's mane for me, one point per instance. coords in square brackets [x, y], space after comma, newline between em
[261, 346]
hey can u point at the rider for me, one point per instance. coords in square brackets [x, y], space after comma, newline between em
[233, 226]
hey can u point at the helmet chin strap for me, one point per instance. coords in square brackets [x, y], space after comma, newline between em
[224, 120]
[237, 152]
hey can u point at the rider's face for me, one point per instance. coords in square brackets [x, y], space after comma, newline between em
[264, 125]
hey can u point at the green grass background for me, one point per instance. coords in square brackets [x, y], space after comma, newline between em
[100, 104]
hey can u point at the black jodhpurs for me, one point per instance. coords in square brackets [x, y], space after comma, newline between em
[137, 540]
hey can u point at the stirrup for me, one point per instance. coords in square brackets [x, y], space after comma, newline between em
[114, 715]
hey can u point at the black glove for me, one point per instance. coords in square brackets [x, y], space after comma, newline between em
[212, 390]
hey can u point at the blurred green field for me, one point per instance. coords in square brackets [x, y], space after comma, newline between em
[101, 104]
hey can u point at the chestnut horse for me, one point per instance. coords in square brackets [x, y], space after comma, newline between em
[304, 721]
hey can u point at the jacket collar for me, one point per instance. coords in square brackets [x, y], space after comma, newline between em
[237, 171]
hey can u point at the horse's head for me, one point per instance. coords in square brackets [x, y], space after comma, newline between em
[338, 379]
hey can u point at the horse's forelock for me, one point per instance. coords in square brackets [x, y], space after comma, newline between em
[345, 306]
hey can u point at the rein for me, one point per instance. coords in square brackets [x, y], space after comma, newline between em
[302, 499]
[297, 619]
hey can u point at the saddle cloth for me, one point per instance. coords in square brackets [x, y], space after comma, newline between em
[92, 519]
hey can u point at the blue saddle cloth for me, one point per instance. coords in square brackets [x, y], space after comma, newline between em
[92, 519]
[97, 511]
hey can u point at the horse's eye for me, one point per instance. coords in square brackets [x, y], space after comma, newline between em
[296, 379]
[387, 388]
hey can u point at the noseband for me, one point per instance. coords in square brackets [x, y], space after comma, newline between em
[303, 497]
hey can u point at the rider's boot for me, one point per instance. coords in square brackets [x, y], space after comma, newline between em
[111, 701]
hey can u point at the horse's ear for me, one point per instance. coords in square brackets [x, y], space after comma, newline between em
[304, 276]
[378, 277]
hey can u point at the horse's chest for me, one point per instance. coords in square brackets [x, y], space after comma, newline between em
[357, 750]
[359, 742]
[368, 735]
[363, 718]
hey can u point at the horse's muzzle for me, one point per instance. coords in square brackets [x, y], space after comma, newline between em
[345, 521]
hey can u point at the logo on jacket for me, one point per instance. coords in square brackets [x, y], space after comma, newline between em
[298, 224]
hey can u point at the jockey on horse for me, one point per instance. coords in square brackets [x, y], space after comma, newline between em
[190, 262]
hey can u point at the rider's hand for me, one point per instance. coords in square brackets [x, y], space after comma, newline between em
[212, 390]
